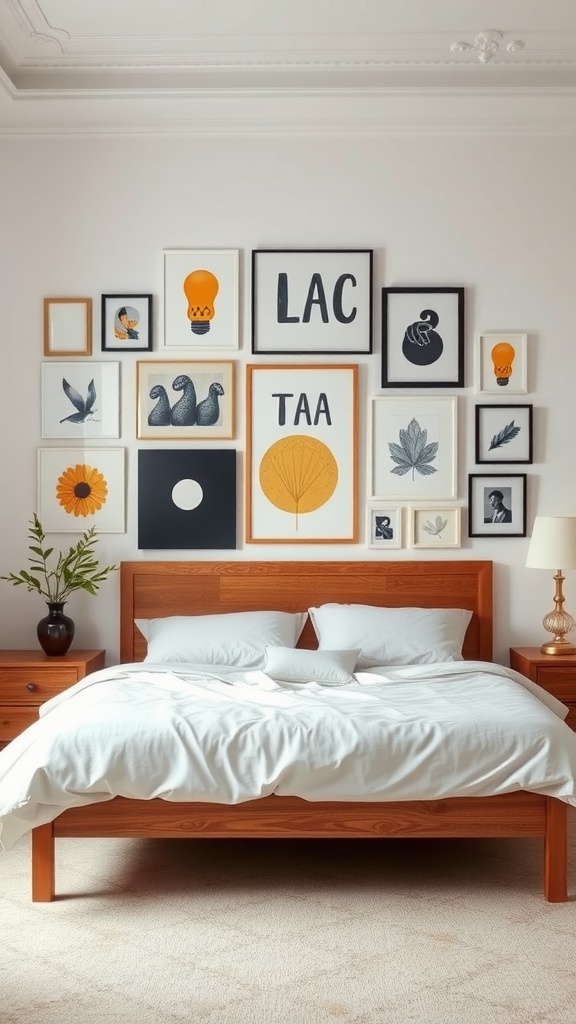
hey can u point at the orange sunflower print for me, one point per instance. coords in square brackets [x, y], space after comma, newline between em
[81, 490]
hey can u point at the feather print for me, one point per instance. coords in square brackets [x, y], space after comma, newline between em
[508, 433]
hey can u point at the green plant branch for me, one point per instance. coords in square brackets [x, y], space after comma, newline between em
[76, 569]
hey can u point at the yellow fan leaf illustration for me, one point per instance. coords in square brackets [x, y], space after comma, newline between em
[298, 474]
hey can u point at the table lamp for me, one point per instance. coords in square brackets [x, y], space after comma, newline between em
[553, 543]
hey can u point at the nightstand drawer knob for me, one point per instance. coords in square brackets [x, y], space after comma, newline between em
[32, 687]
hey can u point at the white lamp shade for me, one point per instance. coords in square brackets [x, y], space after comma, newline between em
[553, 543]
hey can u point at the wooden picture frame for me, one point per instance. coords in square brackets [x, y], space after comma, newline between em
[432, 526]
[302, 454]
[201, 299]
[67, 327]
[184, 399]
[502, 364]
[312, 301]
[494, 497]
[503, 434]
[126, 322]
[80, 399]
[423, 337]
[413, 448]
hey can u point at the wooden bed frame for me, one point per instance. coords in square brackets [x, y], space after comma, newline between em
[153, 589]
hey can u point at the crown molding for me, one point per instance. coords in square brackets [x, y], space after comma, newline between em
[299, 113]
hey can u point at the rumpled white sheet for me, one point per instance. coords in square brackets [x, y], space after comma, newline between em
[210, 734]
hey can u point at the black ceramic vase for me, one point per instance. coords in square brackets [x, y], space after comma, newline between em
[55, 630]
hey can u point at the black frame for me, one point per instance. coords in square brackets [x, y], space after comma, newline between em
[456, 380]
[125, 299]
[270, 312]
[503, 433]
[497, 481]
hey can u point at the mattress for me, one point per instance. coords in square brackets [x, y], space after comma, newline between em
[212, 734]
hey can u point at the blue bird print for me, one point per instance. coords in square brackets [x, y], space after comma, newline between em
[84, 407]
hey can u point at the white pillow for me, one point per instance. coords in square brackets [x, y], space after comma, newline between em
[301, 666]
[236, 638]
[392, 636]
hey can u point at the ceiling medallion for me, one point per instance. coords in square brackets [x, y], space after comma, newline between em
[487, 45]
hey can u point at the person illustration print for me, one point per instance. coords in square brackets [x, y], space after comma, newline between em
[125, 323]
[500, 513]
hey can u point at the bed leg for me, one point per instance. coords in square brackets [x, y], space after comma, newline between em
[555, 852]
[43, 864]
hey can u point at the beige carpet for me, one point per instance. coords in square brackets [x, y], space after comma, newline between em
[167, 931]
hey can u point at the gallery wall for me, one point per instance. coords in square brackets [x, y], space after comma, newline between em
[92, 216]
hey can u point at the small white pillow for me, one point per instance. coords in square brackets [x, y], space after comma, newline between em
[392, 636]
[236, 638]
[300, 666]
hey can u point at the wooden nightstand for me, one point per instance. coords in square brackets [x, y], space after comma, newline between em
[553, 672]
[28, 678]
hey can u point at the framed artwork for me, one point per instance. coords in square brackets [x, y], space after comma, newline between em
[497, 505]
[80, 399]
[302, 464]
[422, 337]
[501, 364]
[126, 323]
[187, 499]
[435, 527]
[384, 527]
[81, 487]
[184, 399]
[201, 298]
[67, 327]
[313, 301]
[504, 433]
[413, 448]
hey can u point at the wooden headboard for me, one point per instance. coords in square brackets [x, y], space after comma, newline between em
[153, 589]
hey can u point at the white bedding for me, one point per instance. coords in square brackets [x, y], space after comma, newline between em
[209, 734]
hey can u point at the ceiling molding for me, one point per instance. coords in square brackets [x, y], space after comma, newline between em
[242, 66]
[372, 113]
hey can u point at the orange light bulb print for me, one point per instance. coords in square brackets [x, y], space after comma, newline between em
[200, 289]
[503, 356]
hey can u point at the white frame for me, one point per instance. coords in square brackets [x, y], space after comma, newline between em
[422, 538]
[53, 462]
[435, 414]
[104, 421]
[395, 515]
[486, 380]
[222, 332]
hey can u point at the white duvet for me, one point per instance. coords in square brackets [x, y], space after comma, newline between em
[210, 734]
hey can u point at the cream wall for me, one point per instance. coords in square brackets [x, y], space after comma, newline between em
[87, 215]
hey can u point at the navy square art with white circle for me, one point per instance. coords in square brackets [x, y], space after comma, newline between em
[187, 499]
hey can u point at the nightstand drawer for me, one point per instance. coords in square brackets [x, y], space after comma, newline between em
[34, 686]
[14, 720]
[559, 681]
[30, 678]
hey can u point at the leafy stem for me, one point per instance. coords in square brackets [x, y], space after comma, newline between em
[75, 569]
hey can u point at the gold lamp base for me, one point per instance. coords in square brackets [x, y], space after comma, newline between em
[558, 623]
[558, 646]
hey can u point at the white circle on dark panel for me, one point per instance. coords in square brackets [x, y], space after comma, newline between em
[187, 494]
